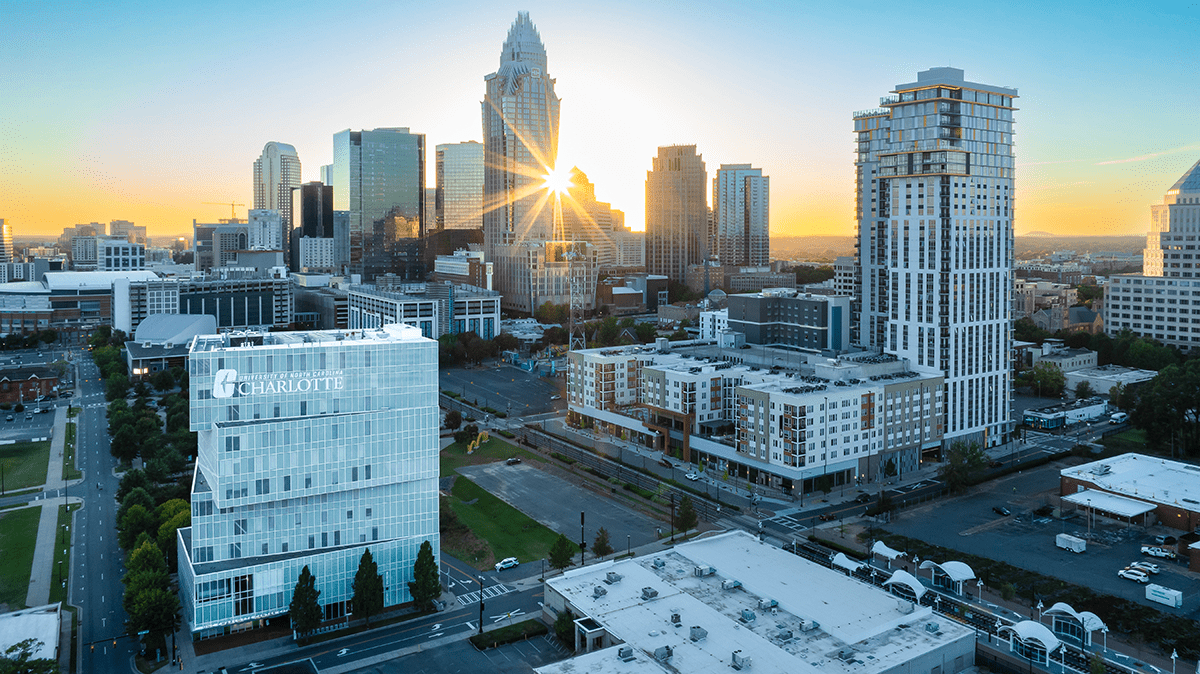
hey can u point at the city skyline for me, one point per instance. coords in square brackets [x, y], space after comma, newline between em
[140, 125]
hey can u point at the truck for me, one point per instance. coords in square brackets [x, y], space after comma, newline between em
[1118, 418]
[1069, 542]
[1164, 595]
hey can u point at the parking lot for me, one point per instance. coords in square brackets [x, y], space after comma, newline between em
[505, 388]
[1026, 540]
[461, 656]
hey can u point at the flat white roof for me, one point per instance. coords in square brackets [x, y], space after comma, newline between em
[1144, 478]
[40, 622]
[1109, 503]
[859, 629]
[94, 280]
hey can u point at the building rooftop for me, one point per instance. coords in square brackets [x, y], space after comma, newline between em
[24, 287]
[1117, 374]
[93, 280]
[39, 622]
[237, 340]
[1189, 181]
[1146, 478]
[786, 614]
[1073, 405]
[174, 328]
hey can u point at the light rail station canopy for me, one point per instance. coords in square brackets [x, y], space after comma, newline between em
[1030, 632]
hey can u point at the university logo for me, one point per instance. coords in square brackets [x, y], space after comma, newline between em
[225, 384]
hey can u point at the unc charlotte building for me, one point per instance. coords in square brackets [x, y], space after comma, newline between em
[312, 447]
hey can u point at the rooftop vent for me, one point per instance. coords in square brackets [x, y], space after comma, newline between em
[625, 653]
[612, 577]
[698, 633]
[808, 625]
[659, 563]
[748, 616]
[730, 584]
[741, 661]
[931, 627]
[767, 603]
[676, 620]
[598, 592]
[785, 635]
[649, 593]
[663, 653]
[702, 571]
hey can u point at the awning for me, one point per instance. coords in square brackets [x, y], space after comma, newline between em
[956, 571]
[1030, 632]
[1109, 503]
[840, 559]
[1090, 621]
[880, 548]
[908, 580]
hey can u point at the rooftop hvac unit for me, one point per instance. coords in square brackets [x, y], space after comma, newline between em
[740, 661]
[730, 584]
[931, 627]
[659, 563]
[702, 571]
[598, 592]
[675, 619]
[625, 653]
[785, 635]
[767, 603]
[649, 593]
[612, 577]
[698, 633]
[808, 625]
[663, 653]
[748, 616]
[905, 606]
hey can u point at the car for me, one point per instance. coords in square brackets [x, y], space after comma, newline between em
[40, 399]
[692, 476]
[827, 517]
[512, 461]
[1157, 552]
[863, 498]
[506, 563]
[1165, 540]
[1148, 567]
[8, 418]
[66, 394]
[1001, 510]
[556, 397]
[1134, 575]
[994, 464]
[28, 416]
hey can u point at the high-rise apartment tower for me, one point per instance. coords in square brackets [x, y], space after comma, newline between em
[741, 215]
[276, 172]
[935, 238]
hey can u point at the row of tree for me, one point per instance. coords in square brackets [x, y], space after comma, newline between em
[137, 431]
[145, 531]
[32, 340]
[468, 347]
[1124, 348]
[562, 551]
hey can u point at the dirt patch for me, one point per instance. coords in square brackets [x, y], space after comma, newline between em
[459, 540]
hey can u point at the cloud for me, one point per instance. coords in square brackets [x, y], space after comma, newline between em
[1144, 157]
[1046, 163]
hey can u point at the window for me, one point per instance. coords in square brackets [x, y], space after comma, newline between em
[324, 539]
[311, 539]
[287, 482]
[239, 527]
[374, 533]
[235, 550]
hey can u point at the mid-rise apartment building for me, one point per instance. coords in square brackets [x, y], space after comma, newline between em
[436, 308]
[312, 448]
[1158, 303]
[792, 319]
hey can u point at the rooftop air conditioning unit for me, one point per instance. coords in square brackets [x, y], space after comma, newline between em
[785, 635]
[767, 603]
[612, 577]
[625, 653]
[598, 592]
[931, 627]
[649, 593]
[698, 633]
[808, 625]
[702, 571]
[748, 616]
[676, 620]
[659, 563]
[730, 584]
[663, 653]
[741, 661]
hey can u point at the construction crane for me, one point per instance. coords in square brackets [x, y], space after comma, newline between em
[232, 207]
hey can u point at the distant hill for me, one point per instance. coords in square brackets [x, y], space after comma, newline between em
[1034, 244]
[811, 248]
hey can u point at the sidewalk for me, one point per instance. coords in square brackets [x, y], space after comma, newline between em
[42, 572]
[58, 440]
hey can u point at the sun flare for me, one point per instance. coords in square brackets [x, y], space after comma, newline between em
[557, 181]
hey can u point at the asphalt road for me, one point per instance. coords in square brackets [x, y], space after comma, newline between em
[557, 504]
[461, 657]
[97, 560]
[1024, 540]
[506, 388]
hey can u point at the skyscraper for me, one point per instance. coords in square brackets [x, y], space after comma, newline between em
[313, 447]
[584, 218]
[6, 242]
[276, 172]
[312, 244]
[520, 137]
[935, 236]
[379, 177]
[676, 211]
[459, 201]
[741, 215]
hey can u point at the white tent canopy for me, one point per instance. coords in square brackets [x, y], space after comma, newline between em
[880, 548]
[840, 559]
[1030, 632]
[956, 571]
[1090, 621]
[908, 580]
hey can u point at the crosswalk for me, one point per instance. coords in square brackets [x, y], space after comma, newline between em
[488, 592]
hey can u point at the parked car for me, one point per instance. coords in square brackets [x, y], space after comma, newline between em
[8, 418]
[506, 563]
[827, 517]
[1001, 510]
[692, 476]
[29, 416]
[863, 498]
[512, 461]
[1134, 575]
[556, 397]
[1148, 567]
[1165, 540]
[66, 394]
[1157, 552]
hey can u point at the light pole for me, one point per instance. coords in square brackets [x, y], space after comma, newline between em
[1039, 610]
[1089, 518]
[979, 584]
[1104, 630]
[1174, 656]
[480, 578]
[628, 548]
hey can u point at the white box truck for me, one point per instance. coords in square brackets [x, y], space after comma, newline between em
[1164, 595]
[1069, 542]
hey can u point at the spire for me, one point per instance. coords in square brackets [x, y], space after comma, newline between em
[523, 44]
[1189, 181]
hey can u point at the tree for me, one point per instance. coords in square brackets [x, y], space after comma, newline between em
[145, 557]
[685, 515]
[564, 627]
[367, 588]
[136, 521]
[155, 611]
[163, 380]
[1046, 379]
[117, 386]
[646, 332]
[601, 546]
[137, 583]
[131, 480]
[806, 275]
[136, 496]
[169, 524]
[1168, 406]
[964, 464]
[426, 584]
[561, 552]
[304, 609]
[453, 419]
[18, 659]
[889, 468]
[506, 342]
[1083, 390]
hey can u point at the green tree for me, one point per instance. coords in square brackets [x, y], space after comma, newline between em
[806, 275]
[163, 380]
[145, 557]
[889, 468]
[506, 342]
[1168, 406]
[136, 521]
[117, 386]
[132, 479]
[18, 659]
[426, 584]
[601, 547]
[165, 534]
[679, 292]
[564, 627]
[685, 515]
[965, 462]
[304, 609]
[136, 496]
[1083, 390]
[1046, 379]
[141, 581]
[1025, 330]
[561, 552]
[453, 420]
[367, 588]
[646, 332]
[155, 611]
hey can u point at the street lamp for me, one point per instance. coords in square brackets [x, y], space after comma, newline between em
[1174, 656]
[979, 584]
[1040, 605]
[480, 579]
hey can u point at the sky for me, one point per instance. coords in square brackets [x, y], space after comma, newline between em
[142, 111]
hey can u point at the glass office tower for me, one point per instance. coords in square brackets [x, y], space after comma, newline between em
[459, 200]
[312, 447]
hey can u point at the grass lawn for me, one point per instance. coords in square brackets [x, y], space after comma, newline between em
[18, 535]
[504, 530]
[24, 464]
[1132, 440]
[62, 553]
[495, 449]
[70, 472]
[72, 411]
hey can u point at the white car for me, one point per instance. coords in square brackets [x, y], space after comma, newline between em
[692, 476]
[506, 563]
[1148, 567]
[1134, 575]
[1157, 552]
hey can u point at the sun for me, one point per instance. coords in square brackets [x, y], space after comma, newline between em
[557, 181]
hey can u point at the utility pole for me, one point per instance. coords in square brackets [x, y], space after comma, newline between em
[582, 539]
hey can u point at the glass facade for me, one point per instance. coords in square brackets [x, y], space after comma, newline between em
[459, 199]
[379, 178]
[312, 447]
